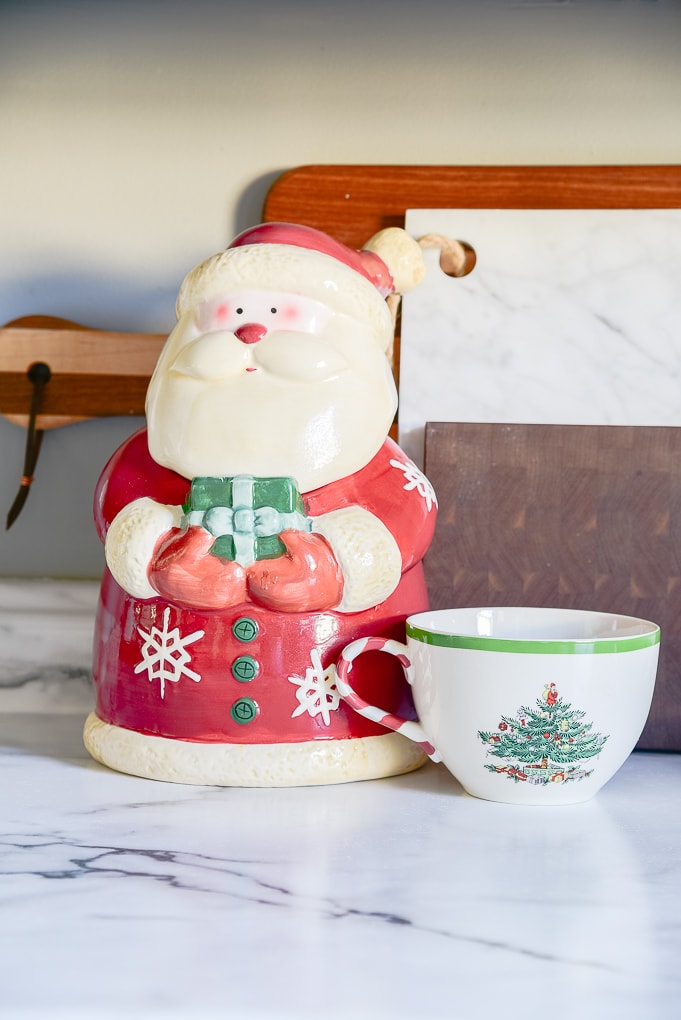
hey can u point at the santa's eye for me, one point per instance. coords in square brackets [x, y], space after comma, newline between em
[273, 310]
[239, 311]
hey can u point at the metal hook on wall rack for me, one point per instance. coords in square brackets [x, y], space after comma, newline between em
[55, 372]
[39, 375]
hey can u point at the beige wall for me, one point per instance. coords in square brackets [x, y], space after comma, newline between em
[138, 137]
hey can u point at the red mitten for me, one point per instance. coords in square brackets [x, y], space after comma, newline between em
[306, 578]
[183, 570]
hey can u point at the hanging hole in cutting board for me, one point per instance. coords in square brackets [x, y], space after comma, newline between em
[457, 258]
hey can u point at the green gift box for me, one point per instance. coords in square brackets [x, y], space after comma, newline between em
[246, 514]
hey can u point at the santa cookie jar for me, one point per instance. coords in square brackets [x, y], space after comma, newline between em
[260, 522]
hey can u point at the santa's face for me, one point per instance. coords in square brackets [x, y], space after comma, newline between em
[266, 383]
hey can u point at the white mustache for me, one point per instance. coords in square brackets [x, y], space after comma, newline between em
[287, 355]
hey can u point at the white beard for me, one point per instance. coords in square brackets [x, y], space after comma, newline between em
[316, 408]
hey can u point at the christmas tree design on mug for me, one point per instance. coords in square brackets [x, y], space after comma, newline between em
[543, 745]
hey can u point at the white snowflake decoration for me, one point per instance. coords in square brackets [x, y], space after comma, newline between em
[317, 693]
[415, 479]
[165, 655]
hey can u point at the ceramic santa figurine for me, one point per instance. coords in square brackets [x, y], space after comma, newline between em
[260, 522]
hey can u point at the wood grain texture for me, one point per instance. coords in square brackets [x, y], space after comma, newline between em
[353, 202]
[95, 373]
[575, 516]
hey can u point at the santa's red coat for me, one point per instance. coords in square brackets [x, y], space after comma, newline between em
[184, 673]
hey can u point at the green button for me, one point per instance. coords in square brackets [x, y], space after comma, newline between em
[245, 668]
[245, 629]
[244, 710]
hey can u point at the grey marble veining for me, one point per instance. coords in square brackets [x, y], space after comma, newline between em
[396, 898]
[568, 317]
[390, 898]
[46, 641]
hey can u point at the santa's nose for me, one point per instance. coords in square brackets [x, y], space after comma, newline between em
[251, 332]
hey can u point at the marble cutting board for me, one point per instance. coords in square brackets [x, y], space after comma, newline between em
[568, 317]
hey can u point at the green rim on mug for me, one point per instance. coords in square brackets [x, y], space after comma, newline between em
[536, 646]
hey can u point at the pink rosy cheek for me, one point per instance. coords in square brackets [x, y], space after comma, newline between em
[222, 312]
[289, 314]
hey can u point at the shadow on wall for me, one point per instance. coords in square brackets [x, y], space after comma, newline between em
[100, 302]
[117, 302]
[54, 535]
[248, 211]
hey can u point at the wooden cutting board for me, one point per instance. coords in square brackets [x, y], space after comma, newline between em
[575, 516]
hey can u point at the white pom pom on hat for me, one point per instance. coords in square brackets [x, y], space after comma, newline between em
[402, 254]
[302, 260]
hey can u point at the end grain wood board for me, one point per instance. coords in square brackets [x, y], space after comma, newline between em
[577, 516]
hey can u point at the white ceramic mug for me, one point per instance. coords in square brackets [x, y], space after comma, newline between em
[523, 705]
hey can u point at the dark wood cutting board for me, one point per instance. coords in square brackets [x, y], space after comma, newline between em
[578, 516]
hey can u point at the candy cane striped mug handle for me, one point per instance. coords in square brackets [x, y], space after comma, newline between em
[407, 727]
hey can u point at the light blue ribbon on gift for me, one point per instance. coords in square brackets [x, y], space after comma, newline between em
[244, 523]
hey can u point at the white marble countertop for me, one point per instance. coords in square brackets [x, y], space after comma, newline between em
[122, 897]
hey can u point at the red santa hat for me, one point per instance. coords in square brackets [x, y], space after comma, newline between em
[301, 260]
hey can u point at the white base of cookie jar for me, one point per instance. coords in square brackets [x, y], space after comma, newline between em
[310, 763]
